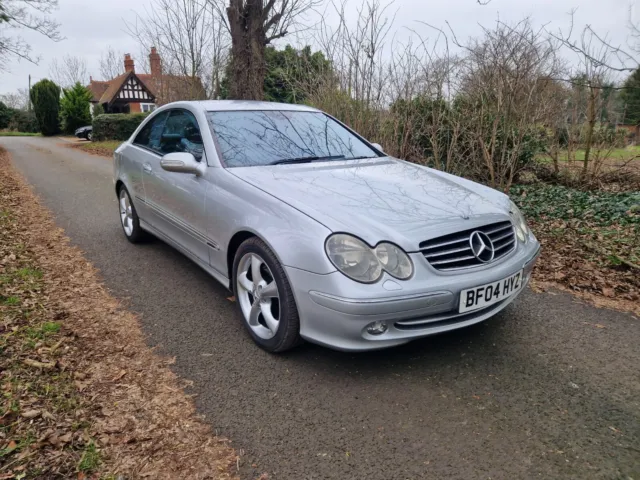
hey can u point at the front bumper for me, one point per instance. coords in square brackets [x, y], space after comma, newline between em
[335, 311]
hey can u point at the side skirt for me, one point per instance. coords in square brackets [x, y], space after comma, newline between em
[207, 268]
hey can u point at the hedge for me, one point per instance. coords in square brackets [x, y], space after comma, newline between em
[116, 126]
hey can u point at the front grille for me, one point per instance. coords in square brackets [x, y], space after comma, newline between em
[453, 251]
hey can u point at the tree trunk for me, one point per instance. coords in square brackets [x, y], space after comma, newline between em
[591, 124]
[554, 153]
[248, 42]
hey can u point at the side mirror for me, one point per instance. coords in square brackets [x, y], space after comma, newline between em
[377, 146]
[181, 162]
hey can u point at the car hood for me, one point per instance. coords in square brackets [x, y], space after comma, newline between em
[381, 199]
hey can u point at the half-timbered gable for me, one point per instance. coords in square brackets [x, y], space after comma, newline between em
[134, 89]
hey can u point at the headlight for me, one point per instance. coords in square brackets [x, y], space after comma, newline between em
[363, 264]
[522, 230]
[394, 261]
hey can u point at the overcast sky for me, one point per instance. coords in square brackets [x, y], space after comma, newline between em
[91, 26]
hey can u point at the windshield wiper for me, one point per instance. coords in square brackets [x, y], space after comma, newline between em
[306, 159]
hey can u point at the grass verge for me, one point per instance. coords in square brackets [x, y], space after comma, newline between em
[82, 396]
[104, 149]
[628, 153]
[7, 133]
[590, 241]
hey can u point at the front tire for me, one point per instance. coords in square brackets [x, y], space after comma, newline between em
[129, 217]
[89, 136]
[264, 297]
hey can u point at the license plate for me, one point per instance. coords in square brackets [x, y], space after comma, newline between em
[485, 295]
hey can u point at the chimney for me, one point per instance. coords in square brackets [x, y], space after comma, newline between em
[129, 66]
[155, 63]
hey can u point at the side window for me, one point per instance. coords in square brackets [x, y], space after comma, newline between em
[181, 134]
[151, 133]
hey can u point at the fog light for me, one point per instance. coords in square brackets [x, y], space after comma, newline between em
[377, 328]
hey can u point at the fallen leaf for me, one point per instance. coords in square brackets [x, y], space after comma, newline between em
[48, 416]
[35, 363]
[66, 438]
[121, 374]
[31, 413]
[608, 292]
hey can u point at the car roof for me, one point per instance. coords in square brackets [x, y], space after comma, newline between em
[231, 105]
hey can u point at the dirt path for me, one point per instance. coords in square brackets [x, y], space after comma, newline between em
[82, 393]
[548, 389]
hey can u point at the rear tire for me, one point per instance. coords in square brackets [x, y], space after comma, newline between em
[264, 297]
[89, 136]
[129, 217]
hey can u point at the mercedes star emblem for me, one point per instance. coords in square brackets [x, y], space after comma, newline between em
[481, 246]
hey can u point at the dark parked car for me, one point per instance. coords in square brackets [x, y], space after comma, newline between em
[85, 132]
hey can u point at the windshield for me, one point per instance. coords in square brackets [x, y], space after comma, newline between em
[249, 138]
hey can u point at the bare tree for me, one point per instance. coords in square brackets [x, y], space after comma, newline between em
[218, 55]
[26, 15]
[190, 40]
[18, 99]
[254, 24]
[618, 58]
[597, 58]
[506, 87]
[111, 64]
[69, 70]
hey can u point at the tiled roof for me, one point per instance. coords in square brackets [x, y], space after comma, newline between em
[165, 88]
[169, 88]
[97, 88]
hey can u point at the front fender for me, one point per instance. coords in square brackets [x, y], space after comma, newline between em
[235, 206]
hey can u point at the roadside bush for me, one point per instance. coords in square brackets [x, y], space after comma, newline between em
[422, 129]
[24, 121]
[5, 115]
[45, 97]
[116, 126]
[75, 108]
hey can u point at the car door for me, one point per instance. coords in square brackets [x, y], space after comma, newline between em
[144, 150]
[178, 199]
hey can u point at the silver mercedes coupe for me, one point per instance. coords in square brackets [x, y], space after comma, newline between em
[318, 233]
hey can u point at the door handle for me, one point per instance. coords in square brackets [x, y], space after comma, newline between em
[147, 167]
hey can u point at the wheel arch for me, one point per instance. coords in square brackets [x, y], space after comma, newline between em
[234, 243]
[119, 184]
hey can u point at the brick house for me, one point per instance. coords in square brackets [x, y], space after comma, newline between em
[141, 92]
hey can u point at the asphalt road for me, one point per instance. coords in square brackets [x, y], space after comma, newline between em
[550, 388]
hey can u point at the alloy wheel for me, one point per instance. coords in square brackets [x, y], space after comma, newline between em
[257, 294]
[126, 215]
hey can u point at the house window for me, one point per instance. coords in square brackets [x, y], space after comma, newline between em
[148, 107]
